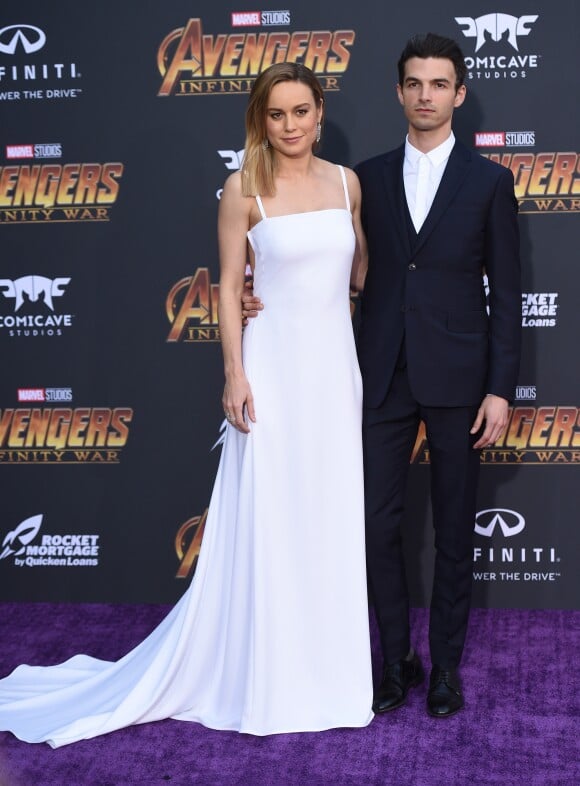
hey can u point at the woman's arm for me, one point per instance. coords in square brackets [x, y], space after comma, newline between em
[233, 224]
[360, 259]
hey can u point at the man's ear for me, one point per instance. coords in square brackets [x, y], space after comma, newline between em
[460, 96]
[400, 95]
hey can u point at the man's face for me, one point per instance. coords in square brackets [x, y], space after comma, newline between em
[428, 94]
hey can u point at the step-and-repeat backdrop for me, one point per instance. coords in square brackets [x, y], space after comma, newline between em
[120, 122]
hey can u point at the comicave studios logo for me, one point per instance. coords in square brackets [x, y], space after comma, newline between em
[22, 548]
[25, 78]
[233, 160]
[502, 33]
[508, 562]
[35, 294]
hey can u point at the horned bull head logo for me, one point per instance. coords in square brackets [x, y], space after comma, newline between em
[496, 26]
[33, 287]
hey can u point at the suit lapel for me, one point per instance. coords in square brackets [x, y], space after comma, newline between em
[395, 191]
[455, 173]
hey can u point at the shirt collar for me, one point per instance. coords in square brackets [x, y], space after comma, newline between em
[436, 156]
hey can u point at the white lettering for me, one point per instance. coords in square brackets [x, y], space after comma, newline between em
[245, 19]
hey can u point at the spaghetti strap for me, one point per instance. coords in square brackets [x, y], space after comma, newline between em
[260, 206]
[346, 196]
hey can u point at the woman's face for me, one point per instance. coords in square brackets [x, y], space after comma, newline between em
[291, 118]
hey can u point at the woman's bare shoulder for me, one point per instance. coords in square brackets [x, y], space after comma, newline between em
[233, 186]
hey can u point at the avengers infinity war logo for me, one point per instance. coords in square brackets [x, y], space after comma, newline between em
[534, 435]
[193, 63]
[192, 308]
[188, 543]
[544, 182]
[58, 192]
[63, 435]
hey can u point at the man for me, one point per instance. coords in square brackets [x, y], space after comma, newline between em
[436, 216]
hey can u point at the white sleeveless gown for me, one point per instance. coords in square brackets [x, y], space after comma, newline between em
[272, 635]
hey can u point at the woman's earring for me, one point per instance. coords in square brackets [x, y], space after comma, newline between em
[265, 144]
[318, 131]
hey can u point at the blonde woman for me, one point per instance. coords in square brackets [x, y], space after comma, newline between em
[272, 636]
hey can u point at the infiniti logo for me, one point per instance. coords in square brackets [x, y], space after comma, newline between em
[510, 522]
[496, 26]
[31, 38]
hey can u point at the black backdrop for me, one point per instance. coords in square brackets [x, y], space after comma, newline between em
[120, 122]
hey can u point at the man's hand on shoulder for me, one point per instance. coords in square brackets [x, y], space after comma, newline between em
[493, 412]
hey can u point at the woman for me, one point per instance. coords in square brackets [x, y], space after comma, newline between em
[272, 636]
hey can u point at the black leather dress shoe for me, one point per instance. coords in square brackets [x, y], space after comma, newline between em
[397, 679]
[444, 697]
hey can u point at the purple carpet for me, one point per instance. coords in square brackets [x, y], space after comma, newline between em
[520, 725]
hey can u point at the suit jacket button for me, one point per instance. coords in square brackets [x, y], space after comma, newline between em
[412, 266]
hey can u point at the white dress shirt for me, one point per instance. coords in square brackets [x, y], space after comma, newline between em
[422, 173]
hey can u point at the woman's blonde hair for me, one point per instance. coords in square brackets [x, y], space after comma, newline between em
[258, 166]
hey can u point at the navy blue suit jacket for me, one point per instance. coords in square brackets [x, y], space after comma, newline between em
[430, 289]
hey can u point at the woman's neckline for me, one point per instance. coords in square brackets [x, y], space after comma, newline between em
[301, 213]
